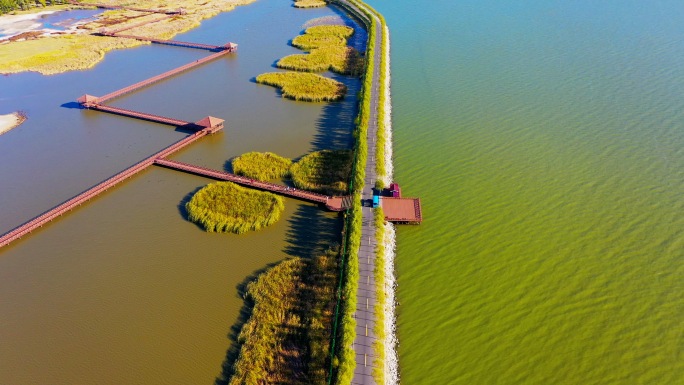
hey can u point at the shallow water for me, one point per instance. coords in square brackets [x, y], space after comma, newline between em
[124, 290]
[60, 21]
[545, 140]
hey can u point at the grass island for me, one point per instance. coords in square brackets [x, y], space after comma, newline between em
[227, 207]
[263, 166]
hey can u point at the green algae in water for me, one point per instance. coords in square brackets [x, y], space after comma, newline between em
[545, 142]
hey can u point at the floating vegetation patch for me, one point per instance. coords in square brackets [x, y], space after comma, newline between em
[324, 171]
[287, 337]
[263, 166]
[228, 208]
[328, 50]
[309, 3]
[304, 86]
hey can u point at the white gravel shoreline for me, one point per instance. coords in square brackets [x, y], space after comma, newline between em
[391, 355]
[10, 121]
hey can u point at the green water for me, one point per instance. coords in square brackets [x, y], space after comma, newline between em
[545, 139]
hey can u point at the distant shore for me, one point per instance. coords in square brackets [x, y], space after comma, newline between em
[48, 51]
[10, 121]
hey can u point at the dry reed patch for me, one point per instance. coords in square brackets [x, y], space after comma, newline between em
[309, 3]
[324, 171]
[287, 337]
[304, 86]
[226, 207]
[58, 54]
[263, 166]
[327, 51]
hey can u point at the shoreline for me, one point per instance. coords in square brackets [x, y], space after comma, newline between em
[391, 366]
[11, 121]
[51, 52]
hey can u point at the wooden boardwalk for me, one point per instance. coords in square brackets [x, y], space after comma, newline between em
[140, 115]
[94, 191]
[144, 83]
[207, 125]
[331, 203]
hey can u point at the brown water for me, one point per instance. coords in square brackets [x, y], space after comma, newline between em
[124, 290]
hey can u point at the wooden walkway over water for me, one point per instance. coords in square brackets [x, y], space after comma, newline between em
[330, 202]
[207, 125]
[96, 190]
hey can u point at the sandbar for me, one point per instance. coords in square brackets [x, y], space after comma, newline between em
[10, 121]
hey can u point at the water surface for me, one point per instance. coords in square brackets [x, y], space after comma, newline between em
[124, 290]
[545, 139]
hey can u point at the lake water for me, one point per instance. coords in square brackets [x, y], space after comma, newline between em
[60, 21]
[545, 139]
[124, 290]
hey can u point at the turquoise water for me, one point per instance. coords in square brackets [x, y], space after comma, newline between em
[545, 139]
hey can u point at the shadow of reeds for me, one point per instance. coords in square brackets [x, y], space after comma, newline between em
[183, 211]
[312, 231]
[335, 126]
[227, 368]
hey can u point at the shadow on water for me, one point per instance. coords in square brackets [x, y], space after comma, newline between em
[184, 211]
[311, 232]
[74, 105]
[335, 125]
[227, 368]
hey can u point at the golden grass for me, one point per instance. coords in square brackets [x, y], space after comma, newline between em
[58, 54]
[343, 60]
[309, 3]
[304, 86]
[62, 53]
[263, 166]
[324, 171]
[327, 51]
[227, 207]
[287, 337]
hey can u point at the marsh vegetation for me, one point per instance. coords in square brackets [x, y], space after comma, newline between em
[324, 171]
[227, 207]
[309, 3]
[327, 50]
[304, 86]
[263, 166]
[287, 337]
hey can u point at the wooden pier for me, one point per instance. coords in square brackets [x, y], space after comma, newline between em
[331, 203]
[96, 190]
[207, 125]
[93, 100]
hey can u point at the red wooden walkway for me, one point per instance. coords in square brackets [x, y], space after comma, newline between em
[154, 79]
[85, 196]
[332, 203]
[112, 32]
[230, 47]
[140, 115]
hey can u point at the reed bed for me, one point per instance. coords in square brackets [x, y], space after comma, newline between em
[328, 50]
[52, 55]
[68, 52]
[309, 3]
[324, 171]
[287, 337]
[304, 86]
[264, 166]
[227, 207]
